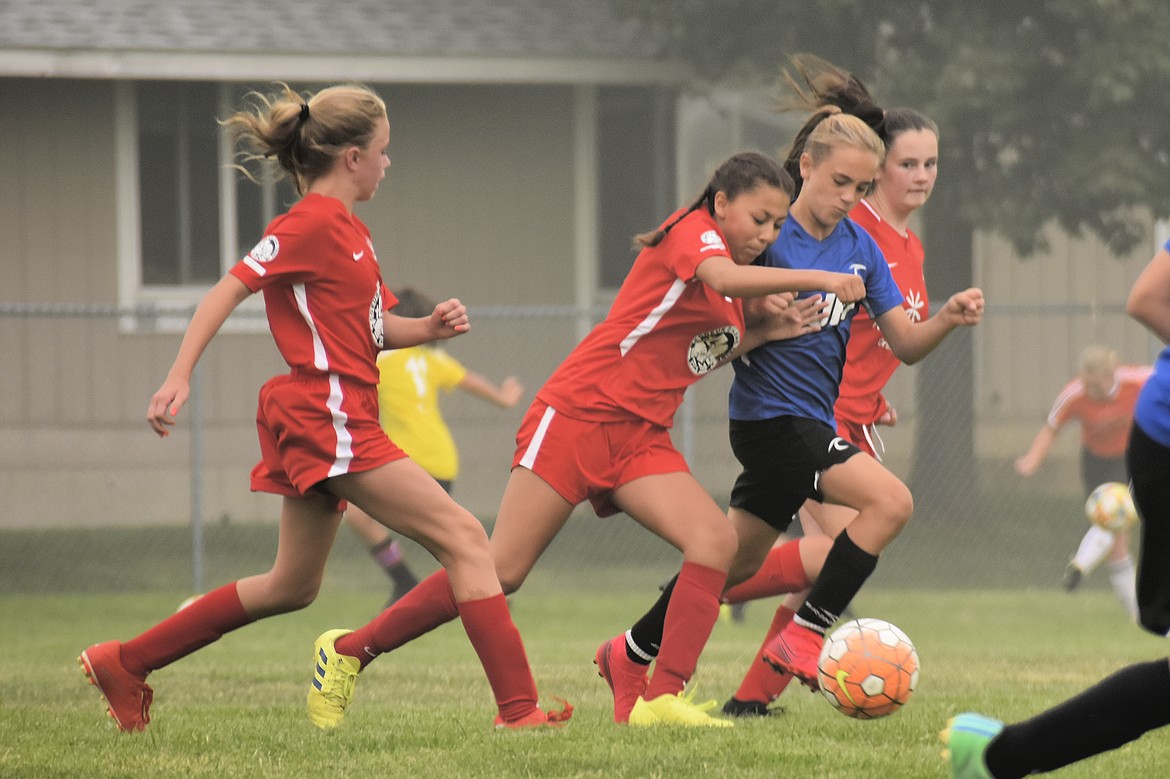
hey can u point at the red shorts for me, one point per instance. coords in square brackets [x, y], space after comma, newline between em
[864, 436]
[315, 427]
[589, 460]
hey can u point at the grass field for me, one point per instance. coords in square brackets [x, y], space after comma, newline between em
[236, 709]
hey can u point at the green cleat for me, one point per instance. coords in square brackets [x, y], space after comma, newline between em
[677, 709]
[334, 677]
[967, 737]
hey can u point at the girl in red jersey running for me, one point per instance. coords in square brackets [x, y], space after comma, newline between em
[599, 428]
[320, 441]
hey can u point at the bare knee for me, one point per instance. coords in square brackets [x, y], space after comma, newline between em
[510, 581]
[714, 545]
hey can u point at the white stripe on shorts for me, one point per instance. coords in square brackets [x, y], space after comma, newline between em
[343, 455]
[534, 445]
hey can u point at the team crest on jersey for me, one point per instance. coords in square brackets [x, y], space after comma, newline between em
[709, 349]
[712, 242]
[376, 320]
[266, 250]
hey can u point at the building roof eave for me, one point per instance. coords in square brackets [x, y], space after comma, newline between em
[241, 66]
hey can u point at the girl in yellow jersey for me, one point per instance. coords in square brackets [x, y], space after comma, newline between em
[408, 405]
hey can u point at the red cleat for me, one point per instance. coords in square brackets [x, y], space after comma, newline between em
[128, 696]
[538, 718]
[627, 680]
[796, 650]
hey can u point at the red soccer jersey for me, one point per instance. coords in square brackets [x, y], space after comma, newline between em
[323, 290]
[1104, 423]
[869, 363]
[665, 330]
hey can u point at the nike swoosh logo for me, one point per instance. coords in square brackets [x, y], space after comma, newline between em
[358, 255]
[841, 677]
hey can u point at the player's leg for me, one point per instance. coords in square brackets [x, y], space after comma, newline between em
[307, 529]
[883, 505]
[1112, 713]
[679, 510]
[407, 500]
[384, 548]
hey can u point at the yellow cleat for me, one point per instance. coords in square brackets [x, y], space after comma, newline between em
[677, 709]
[334, 677]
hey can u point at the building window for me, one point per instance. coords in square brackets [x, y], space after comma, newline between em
[178, 151]
[185, 215]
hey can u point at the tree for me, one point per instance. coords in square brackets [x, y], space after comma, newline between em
[1051, 112]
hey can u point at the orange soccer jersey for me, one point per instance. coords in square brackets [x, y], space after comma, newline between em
[1104, 423]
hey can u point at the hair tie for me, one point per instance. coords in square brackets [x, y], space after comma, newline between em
[304, 112]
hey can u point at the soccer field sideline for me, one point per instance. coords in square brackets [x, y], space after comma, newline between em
[237, 707]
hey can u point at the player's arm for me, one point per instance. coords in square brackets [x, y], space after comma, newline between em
[911, 341]
[448, 320]
[1028, 463]
[724, 276]
[1149, 298]
[506, 395]
[216, 306]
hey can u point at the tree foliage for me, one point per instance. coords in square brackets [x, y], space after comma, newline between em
[1053, 111]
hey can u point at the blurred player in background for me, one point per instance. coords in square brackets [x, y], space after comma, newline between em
[902, 186]
[782, 427]
[1102, 398]
[409, 381]
[1133, 701]
[320, 441]
[599, 428]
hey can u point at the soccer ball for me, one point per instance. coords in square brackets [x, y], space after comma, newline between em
[1110, 507]
[868, 668]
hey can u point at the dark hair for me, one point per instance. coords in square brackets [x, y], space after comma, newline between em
[901, 120]
[305, 134]
[412, 303]
[738, 174]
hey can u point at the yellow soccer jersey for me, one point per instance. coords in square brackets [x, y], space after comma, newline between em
[408, 403]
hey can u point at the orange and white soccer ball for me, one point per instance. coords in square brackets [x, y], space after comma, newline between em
[868, 668]
[1110, 507]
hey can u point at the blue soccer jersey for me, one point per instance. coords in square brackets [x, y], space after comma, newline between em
[800, 376]
[1152, 412]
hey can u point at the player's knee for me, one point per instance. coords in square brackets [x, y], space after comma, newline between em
[897, 506]
[511, 581]
[719, 543]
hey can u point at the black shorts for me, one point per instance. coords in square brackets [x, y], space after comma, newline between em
[783, 459]
[1149, 462]
[1095, 470]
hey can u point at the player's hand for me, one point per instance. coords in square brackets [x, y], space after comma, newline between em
[802, 317]
[848, 288]
[889, 417]
[449, 319]
[756, 310]
[165, 405]
[966, 307]
[511, 390]
[1026, 466]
